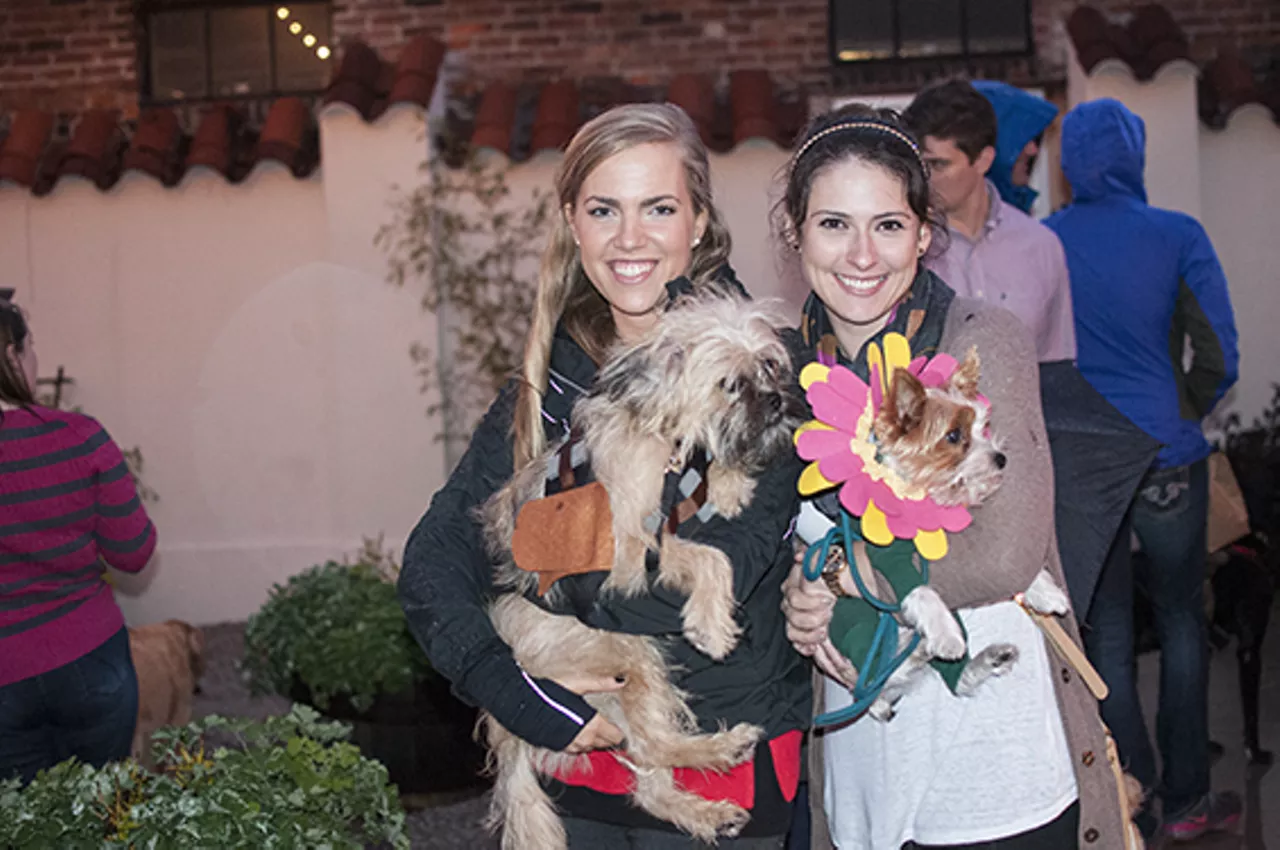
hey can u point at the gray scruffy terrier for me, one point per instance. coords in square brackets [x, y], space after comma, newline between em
[713, 373]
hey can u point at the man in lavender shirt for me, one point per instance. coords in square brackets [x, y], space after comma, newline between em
[994, 251]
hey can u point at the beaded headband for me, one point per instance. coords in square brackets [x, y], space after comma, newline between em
[860, 125]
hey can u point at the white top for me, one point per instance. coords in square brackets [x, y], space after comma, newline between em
[954, 770]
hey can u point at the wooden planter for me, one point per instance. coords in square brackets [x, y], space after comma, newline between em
[423, 736]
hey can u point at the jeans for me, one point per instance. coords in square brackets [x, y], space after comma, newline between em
[87, 709]
[594, 835]
[1168, 516]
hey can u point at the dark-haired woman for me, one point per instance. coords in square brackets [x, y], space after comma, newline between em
[67, 504]
[1022, 762]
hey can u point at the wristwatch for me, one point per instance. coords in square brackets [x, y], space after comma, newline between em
[831, 571]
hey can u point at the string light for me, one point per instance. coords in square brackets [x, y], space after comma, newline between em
[309, 40]
[295, 27]
[322, 52]
[282, 13]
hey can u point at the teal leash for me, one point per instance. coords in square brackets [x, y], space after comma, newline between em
[882, 658]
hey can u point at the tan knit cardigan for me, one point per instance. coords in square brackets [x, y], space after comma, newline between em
[1012, 537]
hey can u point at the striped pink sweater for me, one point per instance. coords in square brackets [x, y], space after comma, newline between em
[67, 503]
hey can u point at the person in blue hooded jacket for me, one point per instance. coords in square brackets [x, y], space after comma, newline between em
[1144, 282]
[1021, 119]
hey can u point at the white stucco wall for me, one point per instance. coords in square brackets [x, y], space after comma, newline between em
[242, 336]
[1240, 185]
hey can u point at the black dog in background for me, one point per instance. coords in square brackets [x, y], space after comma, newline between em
[1242, 585]
[1243, 590]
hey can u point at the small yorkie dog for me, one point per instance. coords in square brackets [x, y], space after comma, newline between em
[939, 439]
[712, 374]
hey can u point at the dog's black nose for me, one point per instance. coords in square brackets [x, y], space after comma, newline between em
[1000, 460]
[775, 402]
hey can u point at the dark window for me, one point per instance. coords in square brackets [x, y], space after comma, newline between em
[867, 30]
[202, 50]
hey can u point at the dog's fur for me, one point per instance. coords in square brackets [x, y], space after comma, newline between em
[713, 373]
[169, 659]
[939, 439]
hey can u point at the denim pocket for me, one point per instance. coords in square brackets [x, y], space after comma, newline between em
[1166, 492]
[105, 671]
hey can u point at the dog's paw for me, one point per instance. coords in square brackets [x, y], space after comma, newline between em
[732, 820]
[940, 632]
[995, 660]
[712, 632]
[743, 738]
[882, 709]
[1046, 597]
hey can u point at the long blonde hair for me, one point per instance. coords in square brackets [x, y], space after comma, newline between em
[564, 290]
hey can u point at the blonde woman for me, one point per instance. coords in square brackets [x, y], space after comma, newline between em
[637, 223]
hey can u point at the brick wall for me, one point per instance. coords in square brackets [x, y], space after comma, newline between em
[65, 55]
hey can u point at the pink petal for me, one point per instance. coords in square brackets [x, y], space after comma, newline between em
[956, 518]
[916, 365]
[832, 408]
[938, 370]
[844, 466]
[854, 496]
[819, 442]
[849, 386]
[877, 387]
[902, 526]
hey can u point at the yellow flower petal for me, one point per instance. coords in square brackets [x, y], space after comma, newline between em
[811, 425]
[813, 481]
[874, 525]
[897, 353]
[815, 371]
[932, 545]
[875, 360]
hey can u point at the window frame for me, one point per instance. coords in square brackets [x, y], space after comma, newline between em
[146, 8]
[965, 54]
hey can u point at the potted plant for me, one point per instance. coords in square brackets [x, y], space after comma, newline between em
[334, 637]
[286, 782]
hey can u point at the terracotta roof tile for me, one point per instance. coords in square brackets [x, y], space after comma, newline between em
[222, 142]
[96, 149]
[1152, 39]
[290, 136]
[157, 147]
[101, 147]
[520, 122]
[24, 148]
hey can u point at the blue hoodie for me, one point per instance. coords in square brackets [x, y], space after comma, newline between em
[1143, 280]
[1020, 117]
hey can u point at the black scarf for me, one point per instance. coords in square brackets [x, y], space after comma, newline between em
[920, 317]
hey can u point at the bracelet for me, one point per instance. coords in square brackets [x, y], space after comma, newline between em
[836, 564]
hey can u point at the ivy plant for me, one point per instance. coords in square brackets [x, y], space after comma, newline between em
[286, 782]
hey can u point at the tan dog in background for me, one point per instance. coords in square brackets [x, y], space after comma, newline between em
[169, 658]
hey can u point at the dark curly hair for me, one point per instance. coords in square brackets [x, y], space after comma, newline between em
[856, 131]
[14, 335]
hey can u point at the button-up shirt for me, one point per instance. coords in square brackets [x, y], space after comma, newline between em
[1016, 263]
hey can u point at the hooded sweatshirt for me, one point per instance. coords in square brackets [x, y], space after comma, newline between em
[1144, 281]
[1020, 117]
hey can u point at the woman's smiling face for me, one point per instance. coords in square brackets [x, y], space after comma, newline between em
[635, 225]
[860, 246]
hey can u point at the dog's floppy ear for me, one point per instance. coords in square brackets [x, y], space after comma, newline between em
[903, 410]
[965, 378]
[195, 649]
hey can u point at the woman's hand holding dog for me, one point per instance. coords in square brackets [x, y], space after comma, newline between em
[808, 606]
[599, 733]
